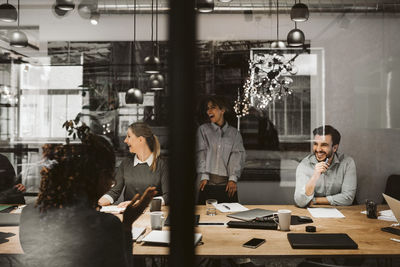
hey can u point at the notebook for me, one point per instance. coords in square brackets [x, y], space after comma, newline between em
[250, 215]
[321, 241]
[162, 237]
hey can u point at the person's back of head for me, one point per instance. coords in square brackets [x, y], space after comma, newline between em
[76, 172]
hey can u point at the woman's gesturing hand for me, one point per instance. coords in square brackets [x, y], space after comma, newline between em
[137, 205]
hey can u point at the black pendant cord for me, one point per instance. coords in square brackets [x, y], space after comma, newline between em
[295, 23]
[134, 45]
[18, 14]
[158, 48]
[277, 20]
[152, 26]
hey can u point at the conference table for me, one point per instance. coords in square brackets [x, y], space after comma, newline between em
[219, 241]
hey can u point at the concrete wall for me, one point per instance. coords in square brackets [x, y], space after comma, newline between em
[362, 84]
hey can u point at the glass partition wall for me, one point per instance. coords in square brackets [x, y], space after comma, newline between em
[346, 77]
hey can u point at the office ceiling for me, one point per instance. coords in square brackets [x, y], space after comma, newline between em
[237, 6]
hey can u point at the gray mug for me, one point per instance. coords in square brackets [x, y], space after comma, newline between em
[155, 205]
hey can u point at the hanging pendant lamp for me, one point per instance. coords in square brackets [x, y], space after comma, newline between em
[58, 13]
[8, 13]
[205, 6]
[18, 38]
[152, 63]
[134, 95]
[277, 43]
[295, 37]
[66, 5]
[299, 12]
[156, 82]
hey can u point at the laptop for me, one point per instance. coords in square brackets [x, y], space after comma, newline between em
[250, 215]
[321, 241]
[394, 205]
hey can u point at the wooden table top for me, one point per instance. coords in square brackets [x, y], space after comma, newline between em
[221, 241]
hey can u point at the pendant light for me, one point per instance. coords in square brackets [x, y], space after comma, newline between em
[18, 38]
[156, 81]
[277, 43]
[295, 37]
[205, 6]
[58, 13]
[8, 13]
[94, 18]
[66, 5]
[299, 12]
[152, 63]
[134, 95]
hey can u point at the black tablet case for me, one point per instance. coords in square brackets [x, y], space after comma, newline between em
[321, 241]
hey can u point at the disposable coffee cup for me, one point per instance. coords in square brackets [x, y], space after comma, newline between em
[284, 217]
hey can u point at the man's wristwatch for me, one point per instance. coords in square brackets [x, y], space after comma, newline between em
[314, 201]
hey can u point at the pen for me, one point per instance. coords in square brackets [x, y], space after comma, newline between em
[226, 207]
[395, 240]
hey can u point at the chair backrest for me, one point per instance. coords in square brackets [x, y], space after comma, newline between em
[393, 186]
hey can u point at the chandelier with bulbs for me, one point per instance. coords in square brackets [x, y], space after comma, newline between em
[267, 82]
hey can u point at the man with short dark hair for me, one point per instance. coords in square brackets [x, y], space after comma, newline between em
[325, 177]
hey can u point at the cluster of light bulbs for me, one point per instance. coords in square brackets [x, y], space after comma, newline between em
[266, 82]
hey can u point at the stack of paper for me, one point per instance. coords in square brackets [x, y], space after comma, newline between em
[230, 207]
[387, 215]
[325, 213]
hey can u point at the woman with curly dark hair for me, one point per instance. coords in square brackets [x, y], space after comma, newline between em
[64, 227]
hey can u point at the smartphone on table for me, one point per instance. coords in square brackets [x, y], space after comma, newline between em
[254, 243]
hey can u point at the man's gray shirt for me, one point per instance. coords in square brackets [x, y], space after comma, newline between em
[220, 151]
[338, 184]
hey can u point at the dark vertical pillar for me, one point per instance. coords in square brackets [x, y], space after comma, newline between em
[182, 130]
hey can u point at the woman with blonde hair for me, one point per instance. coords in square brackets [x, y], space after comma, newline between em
[143, 169]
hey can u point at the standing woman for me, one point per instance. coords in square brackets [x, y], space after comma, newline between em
[145, 168]
[220, 154]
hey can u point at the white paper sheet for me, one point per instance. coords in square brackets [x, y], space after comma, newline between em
[325, 213]
[230, 207]
[137, 231]
[112, 209]
[385, 215]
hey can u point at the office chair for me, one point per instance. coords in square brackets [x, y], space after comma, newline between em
[393, 186]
